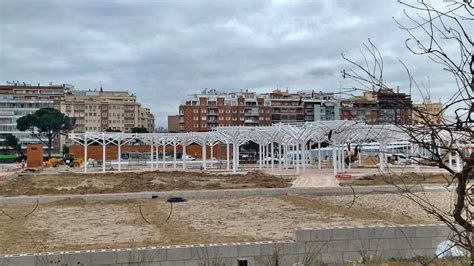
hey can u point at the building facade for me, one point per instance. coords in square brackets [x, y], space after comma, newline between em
[205, 111]
[382, 107]
[428, 111]
[19, 99]
[211, 108]
[98, 111]
[94, 110]
[173, 123]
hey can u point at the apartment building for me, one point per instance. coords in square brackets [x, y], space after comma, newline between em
[211, 108]
[286, 107]
[94, 110]
[384, 106]
[147, 119]
[99, 110]
[428, 111]
[320, 106]
[19, 99]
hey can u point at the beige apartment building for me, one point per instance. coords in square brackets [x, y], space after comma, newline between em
[147, 119]
[427, 111]
[98, 111]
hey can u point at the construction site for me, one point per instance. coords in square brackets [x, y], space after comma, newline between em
[107, 204]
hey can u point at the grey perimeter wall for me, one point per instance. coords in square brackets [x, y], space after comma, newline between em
[309, 245]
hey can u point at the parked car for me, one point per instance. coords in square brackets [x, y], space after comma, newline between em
[189, 158]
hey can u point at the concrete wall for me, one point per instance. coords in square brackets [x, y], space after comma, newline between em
[309, 245]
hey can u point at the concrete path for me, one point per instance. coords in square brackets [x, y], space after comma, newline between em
[309, 180]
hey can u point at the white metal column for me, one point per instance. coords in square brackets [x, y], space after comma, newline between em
[103, 151]
[228, 156]
[119, 154]
[85, 153]
[184, 155]
[164, 157]
[157, 151]
[319, 155]
[298, 159]
[203, 155]
[174, 155]
[234, 159]
[151, 155]
[279, 156]
[272, 155]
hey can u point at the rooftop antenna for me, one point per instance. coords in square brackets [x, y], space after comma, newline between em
[101, 90]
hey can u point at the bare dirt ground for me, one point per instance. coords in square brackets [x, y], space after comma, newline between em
[77, 224]
[398, 179]
[77, 183]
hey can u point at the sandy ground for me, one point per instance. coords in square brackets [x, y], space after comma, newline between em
[78, 183]
[398, 179]
[76, 224]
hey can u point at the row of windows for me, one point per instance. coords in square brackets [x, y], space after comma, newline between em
[228, 111]
[25, 105]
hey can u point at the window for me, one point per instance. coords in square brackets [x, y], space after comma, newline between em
[204, 125]
[196, 125]
[195, 111]
[203, 118]
[196, 118]
[241, 119]
[227, 118]
[203, 111]
[227, 111]
[221, 118]
[221, 111]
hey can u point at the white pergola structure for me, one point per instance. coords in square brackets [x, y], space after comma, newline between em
[292, 141]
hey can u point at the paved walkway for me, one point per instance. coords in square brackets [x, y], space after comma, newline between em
[309, 180]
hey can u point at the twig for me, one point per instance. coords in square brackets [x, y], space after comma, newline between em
[34, 209]
[171, 211]
[6, 214]
[141, 213]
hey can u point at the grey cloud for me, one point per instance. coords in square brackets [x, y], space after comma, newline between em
[163, 50]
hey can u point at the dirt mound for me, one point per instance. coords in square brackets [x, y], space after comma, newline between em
[370, 160]
[78, 183]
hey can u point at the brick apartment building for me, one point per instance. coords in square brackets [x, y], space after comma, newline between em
[210, 109]
[205, 111]
[378, 107]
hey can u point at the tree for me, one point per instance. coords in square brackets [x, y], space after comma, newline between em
[46, 123]
[440, 33]
[139, 130]
[14, 143]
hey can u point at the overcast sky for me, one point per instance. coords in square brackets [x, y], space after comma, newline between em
[164, 50]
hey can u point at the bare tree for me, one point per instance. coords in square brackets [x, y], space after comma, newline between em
[442, 33]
